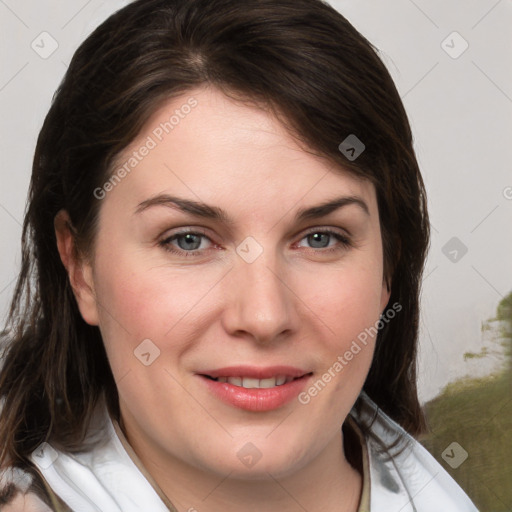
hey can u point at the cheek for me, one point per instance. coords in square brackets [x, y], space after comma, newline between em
[347, 300]
[141, 301]
[347, 304]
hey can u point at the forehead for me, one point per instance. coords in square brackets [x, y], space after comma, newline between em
[205, 145]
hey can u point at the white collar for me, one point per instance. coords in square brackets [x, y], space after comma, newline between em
[404, 476]
[98, 480]
[107, 479]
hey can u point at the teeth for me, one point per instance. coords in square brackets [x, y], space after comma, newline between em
[251, 383]
[268, 383]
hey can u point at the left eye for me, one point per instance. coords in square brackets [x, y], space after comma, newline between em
[325, 239]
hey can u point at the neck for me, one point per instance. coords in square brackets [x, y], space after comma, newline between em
[328, 483]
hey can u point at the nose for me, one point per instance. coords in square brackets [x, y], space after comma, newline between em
[260, 302]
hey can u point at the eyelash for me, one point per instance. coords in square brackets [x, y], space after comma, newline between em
[344, 242]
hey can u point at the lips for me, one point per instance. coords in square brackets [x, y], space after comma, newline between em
[255, 389]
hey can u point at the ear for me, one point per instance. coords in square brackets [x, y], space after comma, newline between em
[385, 294]
[79, 271]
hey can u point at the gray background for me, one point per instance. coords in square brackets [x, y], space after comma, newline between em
[459, 104]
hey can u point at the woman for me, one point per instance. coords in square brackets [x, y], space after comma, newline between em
[222, 254]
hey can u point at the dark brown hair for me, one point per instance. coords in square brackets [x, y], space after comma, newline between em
[302, 60]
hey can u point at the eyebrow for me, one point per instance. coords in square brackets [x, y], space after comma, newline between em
[215, 213]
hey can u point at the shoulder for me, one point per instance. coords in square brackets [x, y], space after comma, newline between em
[403, 474]
[23, 490]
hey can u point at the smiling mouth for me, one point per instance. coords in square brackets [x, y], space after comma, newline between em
[256, 389]
[252, 383]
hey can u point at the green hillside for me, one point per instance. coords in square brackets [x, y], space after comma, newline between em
[477, 414]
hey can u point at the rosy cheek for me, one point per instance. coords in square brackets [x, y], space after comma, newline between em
[350, 297]
[143, 301]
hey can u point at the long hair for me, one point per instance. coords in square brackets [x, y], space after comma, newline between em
[301, 59]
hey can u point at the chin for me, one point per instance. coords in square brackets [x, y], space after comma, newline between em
[257, 459]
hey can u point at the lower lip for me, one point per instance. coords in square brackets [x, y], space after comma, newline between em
[256, 399]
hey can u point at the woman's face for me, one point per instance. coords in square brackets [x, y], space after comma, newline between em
[227, 261]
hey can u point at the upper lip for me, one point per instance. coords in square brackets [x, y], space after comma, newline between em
[255, 372]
